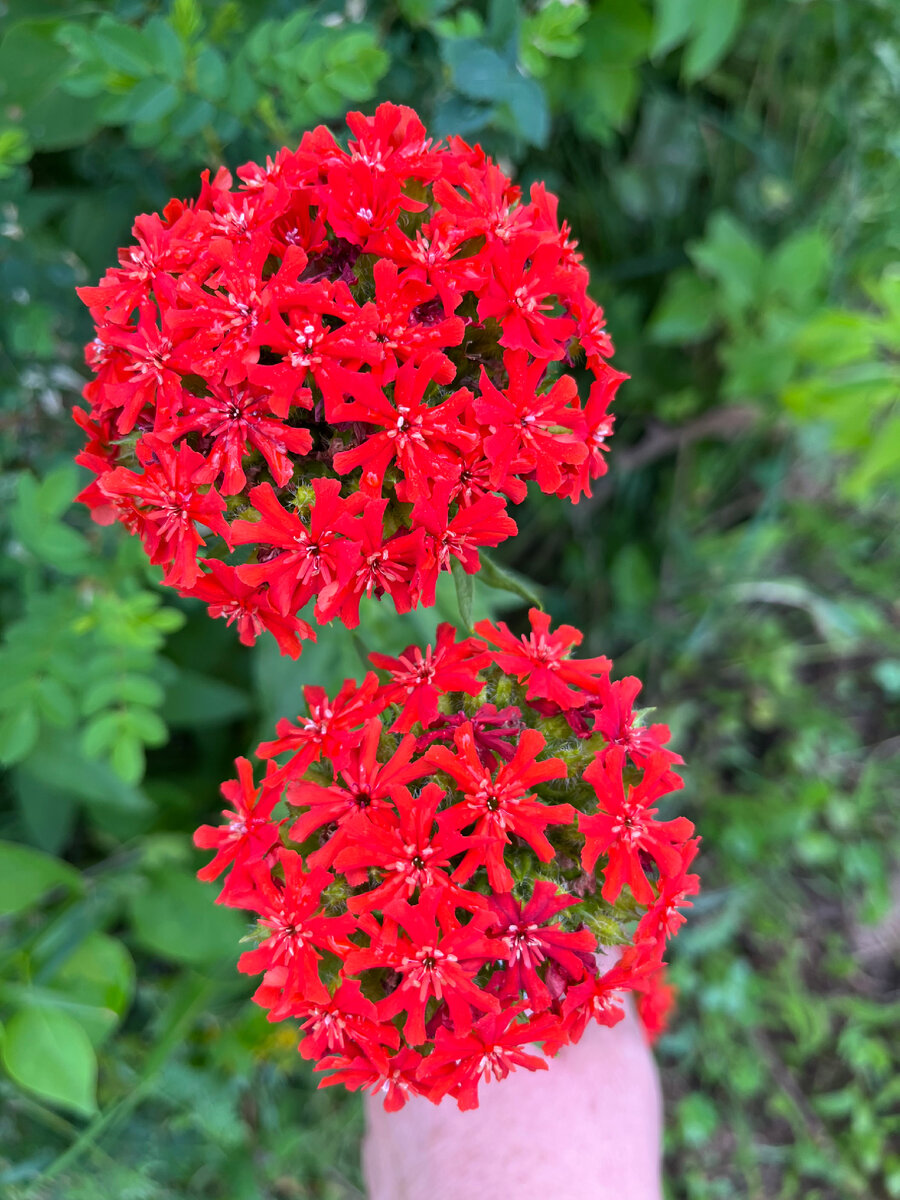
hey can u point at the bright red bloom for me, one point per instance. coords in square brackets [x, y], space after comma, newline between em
[298, 932]
[526, 426]
[626, 826]
[408, 851]
[409, 923]
[423, 438]
[249, 833]
[499, 805]
[170, 505]
[433, 961]
[233, 419]
[366, 787]
[330, 729]
[542, 660]
[419, 679]
[397, 1081]
[249, 608]
[492, 1048]
[528, 941]
[310, 335]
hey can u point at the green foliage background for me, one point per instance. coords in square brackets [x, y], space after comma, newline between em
[730, 168]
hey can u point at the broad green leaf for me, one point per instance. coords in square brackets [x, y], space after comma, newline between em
[48, 1053]
[714, 33]
[47, 813]
[673, 22]
[19, 729]
[123, 47]
[193, 700]
[176, 917]
[150, 100]
[686, 310]
[798, 268]
[530, 116]
[478, 71]
[118, 807]
[211, 74]
[26, 875]
[616, 36]
[100, 975]
[730, 255]
[30, 63]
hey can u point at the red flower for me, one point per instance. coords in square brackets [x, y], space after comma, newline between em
[248, 607]
[421, 437]
[249, 833]
[344, 1022]
[419, 679]
[397, 1081]
[367, 786]
[432, 961]
[626, 826]
[170, 505]
[409, 852]
[528, 942]
[541, 660]
[490, 1050]
[233, 418]
[450, 909]
[296, 329]
[500, 805]
[313, 556]
[330, 729]
[297, 929]
[525, 425]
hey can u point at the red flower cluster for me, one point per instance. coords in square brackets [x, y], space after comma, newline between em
[339, 373]
[461, 835]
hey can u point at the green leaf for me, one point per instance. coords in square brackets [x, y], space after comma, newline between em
[674, 21]
[528, 107]
[26, 875]
[617, 36]
[465, 588]
[715, 31]
[31, 63]
[211, 74]
[495, 576]
[731, 256]
[150, 100]
[118, 807]
[123, 47]
[798, 268]
[48, 1053]
[177, 918]
[100, 975]
[193, 700]
[686, 310]
[19, 729]
[47, 813]
[478, 71]
[551, 32]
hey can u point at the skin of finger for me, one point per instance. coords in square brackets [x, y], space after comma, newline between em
[589, 1128]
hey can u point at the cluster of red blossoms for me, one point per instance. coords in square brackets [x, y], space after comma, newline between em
[336, 375]
[458, 838]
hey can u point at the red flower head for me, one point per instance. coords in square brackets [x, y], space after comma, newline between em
[347, 364]
[450, 860]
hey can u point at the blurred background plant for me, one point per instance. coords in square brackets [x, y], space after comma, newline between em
[730, 168]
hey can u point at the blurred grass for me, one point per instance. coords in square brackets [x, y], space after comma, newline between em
[730, 171]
